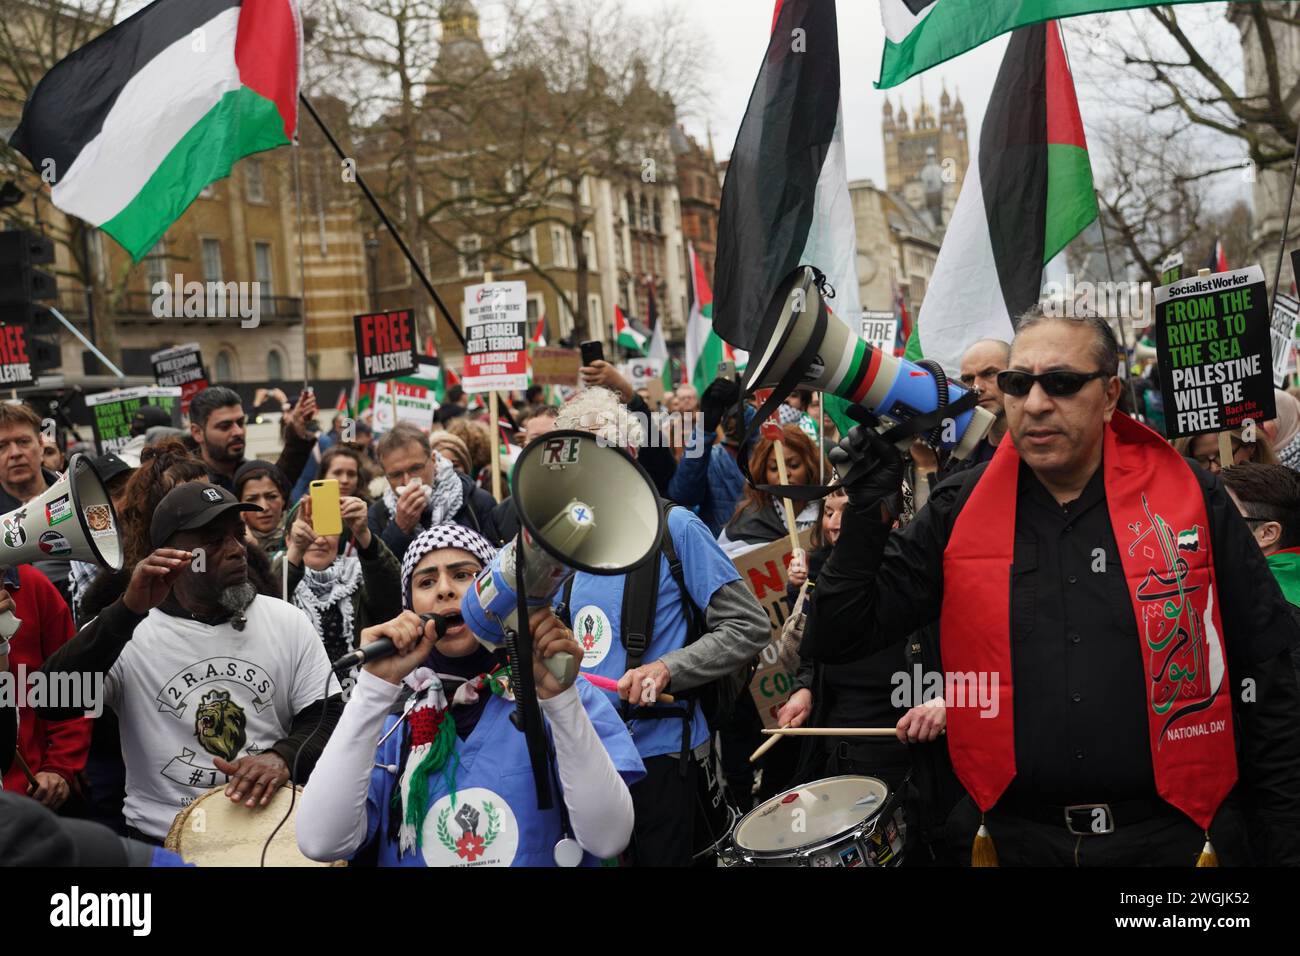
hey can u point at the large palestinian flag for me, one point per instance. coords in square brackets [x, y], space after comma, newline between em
[785, 201]
[1026, 195]
[920, 34]
[133, 125]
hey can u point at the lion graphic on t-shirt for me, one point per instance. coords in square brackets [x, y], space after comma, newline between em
[219, 725]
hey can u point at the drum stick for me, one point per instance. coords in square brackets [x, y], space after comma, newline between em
[27, 771]
[834, 732]
[611, 685]
[772, 431]
[768, 744]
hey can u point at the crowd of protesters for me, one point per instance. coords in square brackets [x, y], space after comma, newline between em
[182, 655]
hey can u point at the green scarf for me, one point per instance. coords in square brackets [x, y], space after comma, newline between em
[1285, 566]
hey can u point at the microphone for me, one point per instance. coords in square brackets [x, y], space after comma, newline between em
[384, 647]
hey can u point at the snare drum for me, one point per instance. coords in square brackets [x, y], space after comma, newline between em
[213, 831]
[839, 821]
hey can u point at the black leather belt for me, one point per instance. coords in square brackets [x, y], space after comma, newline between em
[1088, 819]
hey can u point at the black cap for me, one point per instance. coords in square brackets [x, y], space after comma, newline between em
[109, 467]
[189, 506]
[146, 416]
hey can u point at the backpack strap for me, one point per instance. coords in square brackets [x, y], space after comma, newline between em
[640, 595]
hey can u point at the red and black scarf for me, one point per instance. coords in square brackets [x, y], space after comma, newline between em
[1157, 512]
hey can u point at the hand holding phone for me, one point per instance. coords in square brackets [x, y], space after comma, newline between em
[326, 512]
[592, 351]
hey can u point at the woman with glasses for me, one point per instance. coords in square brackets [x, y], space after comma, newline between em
[1204, 450]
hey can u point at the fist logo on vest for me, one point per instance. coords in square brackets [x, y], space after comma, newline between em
[481, 830]
[591, 629]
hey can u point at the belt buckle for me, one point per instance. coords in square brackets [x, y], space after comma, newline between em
[1100, 819]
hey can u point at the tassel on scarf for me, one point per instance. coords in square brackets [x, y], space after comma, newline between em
[982, 851]
[1208, 857]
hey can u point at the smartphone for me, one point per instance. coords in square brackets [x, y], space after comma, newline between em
[591, 351]
[727, 370]
[326, 517]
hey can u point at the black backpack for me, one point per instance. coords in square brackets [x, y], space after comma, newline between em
[640, 596]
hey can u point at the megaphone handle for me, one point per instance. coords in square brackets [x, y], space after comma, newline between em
[9, 624]
[563, 667]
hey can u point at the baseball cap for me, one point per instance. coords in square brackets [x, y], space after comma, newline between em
[189, 506]
[146, 416]
[109, 467]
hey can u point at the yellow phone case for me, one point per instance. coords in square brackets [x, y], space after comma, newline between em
[326, 515]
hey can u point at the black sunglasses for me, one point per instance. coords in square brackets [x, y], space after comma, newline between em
[1056, 384]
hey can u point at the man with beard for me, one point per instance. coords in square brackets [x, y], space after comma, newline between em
[218, 426]
[211, 683]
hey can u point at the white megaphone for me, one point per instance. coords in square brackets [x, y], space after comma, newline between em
[846, 365]
[583, 506]
[74, 519]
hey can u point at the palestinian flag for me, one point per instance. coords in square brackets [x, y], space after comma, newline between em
[1028, 194]
[704, 349]
[625, 336]
[539, 336]
[920, 34]
[785, 201]
[1218, 260]
[136, 123]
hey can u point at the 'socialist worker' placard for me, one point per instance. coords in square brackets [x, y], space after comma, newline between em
[385, 345]
[496, 337]
[1212, 343]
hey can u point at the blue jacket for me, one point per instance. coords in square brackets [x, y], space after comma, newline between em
[710, 484]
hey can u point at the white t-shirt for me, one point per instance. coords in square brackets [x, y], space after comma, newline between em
[184, 692]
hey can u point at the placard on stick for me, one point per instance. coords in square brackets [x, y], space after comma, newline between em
[113, 411]
[181, 366]
[766, 572]
[496, 337]
[15, 366]
[556, 366]
[880, 329]
[385, 344]
[1213, 347]
[1281, 335]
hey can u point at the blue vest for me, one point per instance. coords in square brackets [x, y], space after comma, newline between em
[494, 820]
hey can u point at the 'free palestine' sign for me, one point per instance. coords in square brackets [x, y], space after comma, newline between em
[1213, 347]
[385, 345]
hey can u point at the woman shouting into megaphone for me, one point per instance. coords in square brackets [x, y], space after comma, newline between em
[443, 779]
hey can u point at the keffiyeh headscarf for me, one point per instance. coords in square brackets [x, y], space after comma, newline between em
[442, 536]
[431, 734]
[448, 493]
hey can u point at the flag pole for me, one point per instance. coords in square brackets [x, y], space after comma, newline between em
[302, 271]
[1286, 222]
[1110, 274]
[392, 230]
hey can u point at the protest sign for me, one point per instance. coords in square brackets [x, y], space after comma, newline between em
[15, 366]
[556, 366]
[647, 373]
[181, 366]
[880, 329]
[496, 337]
[1171, 270]
[1213, 347]
[385, 344]
[113, 410]
[1282, 336]
[765, 571]
[409, 399]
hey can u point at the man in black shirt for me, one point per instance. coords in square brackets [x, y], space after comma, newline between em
[1086, 774]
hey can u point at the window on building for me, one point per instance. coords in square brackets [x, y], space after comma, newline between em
[155, 265]
[225, 367]
[462, 188]
[589, 249]
[524, 249]
[560, 247]
[629, 208]
[255, 189]
[274, 367]
[594, 311]
[659, 218]
[212, 260]
[262, 270]
[645, 214]
[471, 256]
[534, 307]
[584, 191]
[515, 179]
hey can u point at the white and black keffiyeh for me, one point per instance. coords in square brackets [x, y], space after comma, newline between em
[442, 536]
[321, 591]
[1289, 454]
[448, 493]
